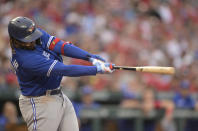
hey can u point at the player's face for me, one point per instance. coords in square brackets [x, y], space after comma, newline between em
[26, 45]
[30, 45]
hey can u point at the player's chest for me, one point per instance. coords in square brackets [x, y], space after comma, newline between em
[49, 54]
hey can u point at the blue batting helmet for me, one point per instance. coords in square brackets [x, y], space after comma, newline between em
[23, 29]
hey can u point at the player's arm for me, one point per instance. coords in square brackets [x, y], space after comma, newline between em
[65, 48]
[70, 50]
[40, 66]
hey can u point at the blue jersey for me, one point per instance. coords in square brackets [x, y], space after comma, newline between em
[184, 102]
[42, 69]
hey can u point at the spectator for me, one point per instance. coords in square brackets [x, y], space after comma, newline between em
[147, 104]
[183, 98]
[87, 102]
[9, 116]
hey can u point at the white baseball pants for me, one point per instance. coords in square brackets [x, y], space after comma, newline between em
[48, 113]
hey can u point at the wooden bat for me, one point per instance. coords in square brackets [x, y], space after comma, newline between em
[150, 69]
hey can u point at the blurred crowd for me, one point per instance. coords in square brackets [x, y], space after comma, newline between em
[125, 32]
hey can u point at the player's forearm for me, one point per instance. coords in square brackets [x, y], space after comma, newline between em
[75, 52]
[71, 50]
[74, 70]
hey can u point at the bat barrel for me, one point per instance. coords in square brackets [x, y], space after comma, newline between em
[157, 69]
[149, 69]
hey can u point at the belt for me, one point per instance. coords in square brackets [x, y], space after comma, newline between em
[48, 93]
[52, 92]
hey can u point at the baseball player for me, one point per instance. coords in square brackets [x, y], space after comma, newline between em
[36, 58]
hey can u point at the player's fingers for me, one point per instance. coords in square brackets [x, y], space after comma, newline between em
[96, 61]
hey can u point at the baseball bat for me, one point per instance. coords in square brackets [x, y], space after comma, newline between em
[149, 69]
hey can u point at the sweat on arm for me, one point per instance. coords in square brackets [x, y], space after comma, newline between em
[68, 49]
[40, 66]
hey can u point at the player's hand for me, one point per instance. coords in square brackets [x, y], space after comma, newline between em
[102, 67]
[95, 62]
[97, 57]
[105, 68]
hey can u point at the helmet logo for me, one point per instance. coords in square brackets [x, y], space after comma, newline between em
[31, 29]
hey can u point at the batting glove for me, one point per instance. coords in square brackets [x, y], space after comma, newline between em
[105, 68]
[102, 67]
[97, 57]
[95, 62]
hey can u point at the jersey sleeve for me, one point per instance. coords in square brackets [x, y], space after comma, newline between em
[68, 49]
[40, 66]
[61, 47]
[46, 39]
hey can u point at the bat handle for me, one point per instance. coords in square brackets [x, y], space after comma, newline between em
[124, 68]
[116, 67]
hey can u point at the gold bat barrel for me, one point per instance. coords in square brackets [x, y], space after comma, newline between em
[156, 69]
[149, 69]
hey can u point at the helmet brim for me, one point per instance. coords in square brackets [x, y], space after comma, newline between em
[34, 36]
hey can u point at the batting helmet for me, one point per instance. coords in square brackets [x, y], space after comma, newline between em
[23, 29]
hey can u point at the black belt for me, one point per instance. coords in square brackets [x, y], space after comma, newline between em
[52, 92]
[48, 93]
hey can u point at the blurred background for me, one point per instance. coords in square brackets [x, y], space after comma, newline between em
[125, 32]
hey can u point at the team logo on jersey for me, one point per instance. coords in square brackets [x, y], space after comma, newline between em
[47, 55]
